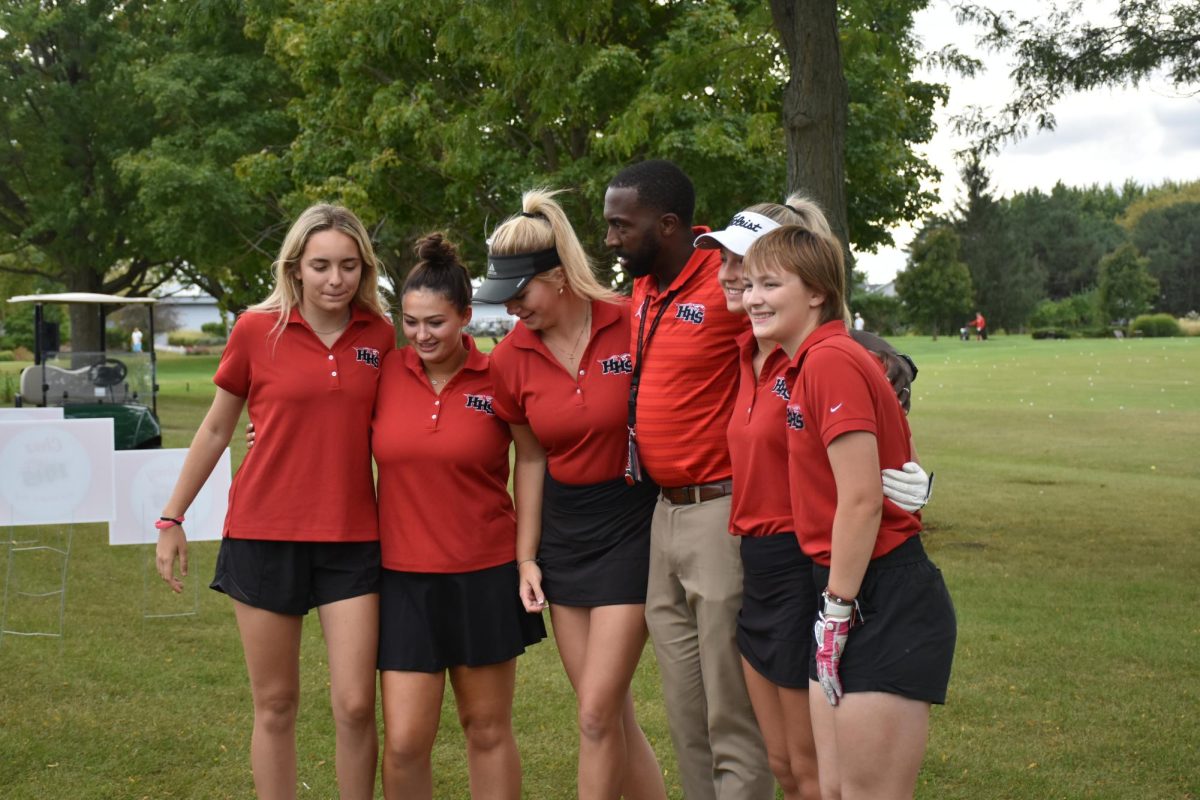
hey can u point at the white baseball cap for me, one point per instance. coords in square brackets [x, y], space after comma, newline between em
[743, 230]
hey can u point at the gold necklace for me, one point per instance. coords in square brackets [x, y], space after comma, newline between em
[587, 324]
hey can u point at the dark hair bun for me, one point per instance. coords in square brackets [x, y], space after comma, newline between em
[436, 251]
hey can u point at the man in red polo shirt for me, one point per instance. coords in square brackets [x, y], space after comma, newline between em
[684, 344]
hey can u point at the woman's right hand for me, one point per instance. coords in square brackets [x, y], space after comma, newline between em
[172, 545]
[531, 586]
[249, 435]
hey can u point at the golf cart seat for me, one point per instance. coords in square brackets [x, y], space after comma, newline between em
[98, 382]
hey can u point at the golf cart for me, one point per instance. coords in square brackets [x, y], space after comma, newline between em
[90, 384]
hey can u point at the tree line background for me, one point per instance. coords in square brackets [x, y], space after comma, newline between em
[148, 141]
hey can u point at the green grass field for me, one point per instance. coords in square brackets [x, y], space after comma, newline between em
[1064, 517]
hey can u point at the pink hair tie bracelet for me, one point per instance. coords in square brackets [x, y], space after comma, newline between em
[162, 523]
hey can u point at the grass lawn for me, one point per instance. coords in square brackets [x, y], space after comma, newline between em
[1064, 519]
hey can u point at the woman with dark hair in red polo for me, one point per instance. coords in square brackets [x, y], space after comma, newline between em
[448, 533]
[885, 629]
[562, 381]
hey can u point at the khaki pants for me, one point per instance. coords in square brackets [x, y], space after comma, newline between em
[692, 602]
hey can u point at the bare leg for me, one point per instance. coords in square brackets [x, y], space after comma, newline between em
[783, 718]
[600, 648]
[412, 709]
[271, 643]
[351, 638]
[872, 744]
[485, 696]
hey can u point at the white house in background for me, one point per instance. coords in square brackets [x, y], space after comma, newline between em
[883, 289]
[191, 306]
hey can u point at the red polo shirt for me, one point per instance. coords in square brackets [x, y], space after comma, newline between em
[757, 446]
[840, 388]
[580, 419]
[443, 469]
[308, 476]
[689, 378]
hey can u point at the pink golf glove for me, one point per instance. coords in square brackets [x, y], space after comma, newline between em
[831, 629]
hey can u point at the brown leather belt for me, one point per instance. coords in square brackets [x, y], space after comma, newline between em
[686, 495]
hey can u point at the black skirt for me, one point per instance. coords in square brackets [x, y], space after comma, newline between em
[429, 622]
[905, 642]
[595, 548]
[779, 605]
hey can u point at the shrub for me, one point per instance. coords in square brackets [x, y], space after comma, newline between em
[7, 355]
[21, 353]
[1050, 333]
[215, 329]
[1156, 325]
[1079, 311]
[186, 338]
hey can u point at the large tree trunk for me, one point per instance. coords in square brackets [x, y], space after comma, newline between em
[815, 105]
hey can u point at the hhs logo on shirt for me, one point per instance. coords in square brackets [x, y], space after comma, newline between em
[795, 420]
[780, 388]
[481, 403]
[367, 355]
[690, 312]
[617, 364]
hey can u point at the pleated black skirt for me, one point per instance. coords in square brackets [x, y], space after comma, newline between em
[431, 621]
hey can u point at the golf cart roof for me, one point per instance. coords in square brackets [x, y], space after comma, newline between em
[89, 298]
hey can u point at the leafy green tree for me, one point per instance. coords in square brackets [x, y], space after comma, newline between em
[1126, 286]
[1008, 281]
[936, 285]
[438, 114]
[122, 124]
[1059, 52]
[1165, 226]
[1066, 232]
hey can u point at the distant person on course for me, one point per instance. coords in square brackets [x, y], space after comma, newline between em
[980, 325]
[135, 340]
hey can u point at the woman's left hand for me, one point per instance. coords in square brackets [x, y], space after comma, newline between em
[530, 590]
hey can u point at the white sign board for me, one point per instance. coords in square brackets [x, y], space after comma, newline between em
[30, 412]
[56, 471]
[144, 480]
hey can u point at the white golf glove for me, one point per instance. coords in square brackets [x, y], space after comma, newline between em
[908, 487]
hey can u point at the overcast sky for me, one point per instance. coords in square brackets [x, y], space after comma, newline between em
[1149, 134]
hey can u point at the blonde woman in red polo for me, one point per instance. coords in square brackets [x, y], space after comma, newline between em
[562, 382]
[301, 530]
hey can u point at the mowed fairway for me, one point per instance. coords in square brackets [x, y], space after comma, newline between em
[1065, 518]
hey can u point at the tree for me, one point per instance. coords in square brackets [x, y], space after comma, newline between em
[438, 114]
[1008, 281]
[1165, 226]
[1059, 52]
[122, 122]
[1066, 232]
[1126, 287]
[936, 284]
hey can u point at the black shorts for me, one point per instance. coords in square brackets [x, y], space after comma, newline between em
[595, 546]
[779, 606]
[905, 642]
[293, 577]
[429, 621]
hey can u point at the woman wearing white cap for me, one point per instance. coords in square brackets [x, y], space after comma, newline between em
[779, 601]
[562, 383]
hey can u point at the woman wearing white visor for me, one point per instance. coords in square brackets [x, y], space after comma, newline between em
[779, 601]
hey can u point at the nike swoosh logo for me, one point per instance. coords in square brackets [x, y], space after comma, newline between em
[835, 408]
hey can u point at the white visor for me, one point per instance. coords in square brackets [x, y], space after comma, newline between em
[743, 230]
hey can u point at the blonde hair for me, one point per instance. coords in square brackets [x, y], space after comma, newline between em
[812, 256]
[542, 225]
[800, 209]
[286, 293]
